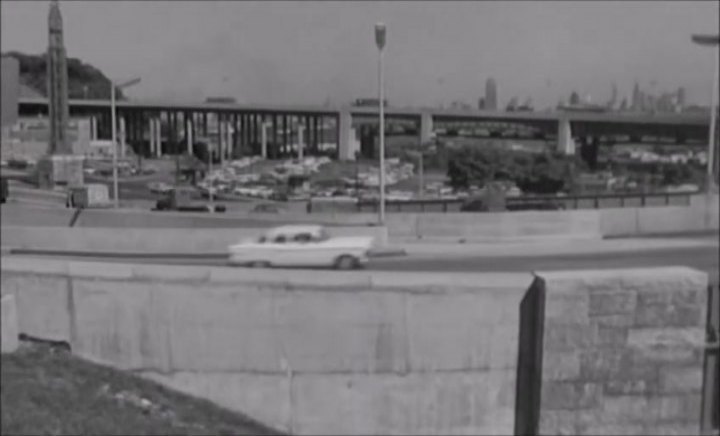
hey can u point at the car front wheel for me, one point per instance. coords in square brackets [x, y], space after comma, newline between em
[346, 262]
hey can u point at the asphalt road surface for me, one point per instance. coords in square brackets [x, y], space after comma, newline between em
[705, 259]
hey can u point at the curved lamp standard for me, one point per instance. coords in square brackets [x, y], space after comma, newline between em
[712, 41]
[380, 42]
[113, 115]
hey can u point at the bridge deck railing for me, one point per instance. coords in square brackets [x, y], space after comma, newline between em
[592, 201]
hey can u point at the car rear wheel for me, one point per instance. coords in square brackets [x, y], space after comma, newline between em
[346, 262]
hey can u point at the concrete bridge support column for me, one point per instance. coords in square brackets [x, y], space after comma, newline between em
[93, 129]
[566, 144]
[151, 128]
[229, 131]
[347, 144]
[189, 135]
[235, 136]
[300, 141]
[158, 136]
[222, 137]
[263, 139]
[426, 127]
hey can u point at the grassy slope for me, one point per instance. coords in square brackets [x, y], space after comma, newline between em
[46, 391]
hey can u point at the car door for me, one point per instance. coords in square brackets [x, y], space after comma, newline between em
[305, 251]
[277, 250]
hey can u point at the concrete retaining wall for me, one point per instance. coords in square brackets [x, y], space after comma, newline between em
[139, 240]
[9, 320]
[304, 351]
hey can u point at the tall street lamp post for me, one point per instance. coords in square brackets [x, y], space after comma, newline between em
[380, 42]
[712, 41]
[113, 115]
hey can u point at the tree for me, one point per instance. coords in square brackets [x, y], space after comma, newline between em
[84, 80]
[544, 173]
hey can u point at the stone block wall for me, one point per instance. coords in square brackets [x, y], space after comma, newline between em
[622, 352]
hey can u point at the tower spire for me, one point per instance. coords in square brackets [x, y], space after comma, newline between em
[54, 18]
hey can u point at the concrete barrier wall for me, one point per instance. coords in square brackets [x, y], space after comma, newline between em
[27, 215]
[700, 215]
[303, 351]
[577, 224]
[512, 225]
[139, 240]
[22, 215]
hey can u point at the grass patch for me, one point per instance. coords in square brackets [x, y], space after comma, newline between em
[48, 391]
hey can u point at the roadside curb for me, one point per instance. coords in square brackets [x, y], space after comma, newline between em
[377, 253]
[388, 252]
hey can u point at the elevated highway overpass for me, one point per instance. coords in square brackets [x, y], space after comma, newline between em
[168, 124]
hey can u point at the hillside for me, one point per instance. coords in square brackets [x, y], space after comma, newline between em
[47, 390]
[84, 80]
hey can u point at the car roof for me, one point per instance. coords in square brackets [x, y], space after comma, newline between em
[294, 229]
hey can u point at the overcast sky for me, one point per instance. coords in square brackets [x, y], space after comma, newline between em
[437, 52]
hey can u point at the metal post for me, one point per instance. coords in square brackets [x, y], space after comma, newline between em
[713, 121]
[116, 199]
[380, 41]
[421, 173]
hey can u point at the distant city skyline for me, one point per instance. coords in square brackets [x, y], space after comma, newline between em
[437, 52]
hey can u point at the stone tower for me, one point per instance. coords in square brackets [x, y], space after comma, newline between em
[60, 165]
[57, 84]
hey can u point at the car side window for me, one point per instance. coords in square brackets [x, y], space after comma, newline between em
[303, 237]
[280, 239]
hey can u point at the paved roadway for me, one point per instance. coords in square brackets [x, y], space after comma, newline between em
[703, 258]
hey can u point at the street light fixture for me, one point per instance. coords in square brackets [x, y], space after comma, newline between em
[712, 41]
[380, 42]
[113, 115]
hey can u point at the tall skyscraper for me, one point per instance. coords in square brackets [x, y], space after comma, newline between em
[681, 97]
[57, 85]
[636, 103]
[613, 97]
[491, 94]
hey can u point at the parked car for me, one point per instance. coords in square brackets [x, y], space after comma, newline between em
[182, 199]
[266, 208]
[159, 187]
[301, 246]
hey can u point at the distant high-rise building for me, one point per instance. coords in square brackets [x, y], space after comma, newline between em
[623, 105]
[642, 101]
[574, 98]
[613, 97]
[512, 105]
[681, 97]
[651, 103]
[481, 103]
[491, 94]
[636, 98]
